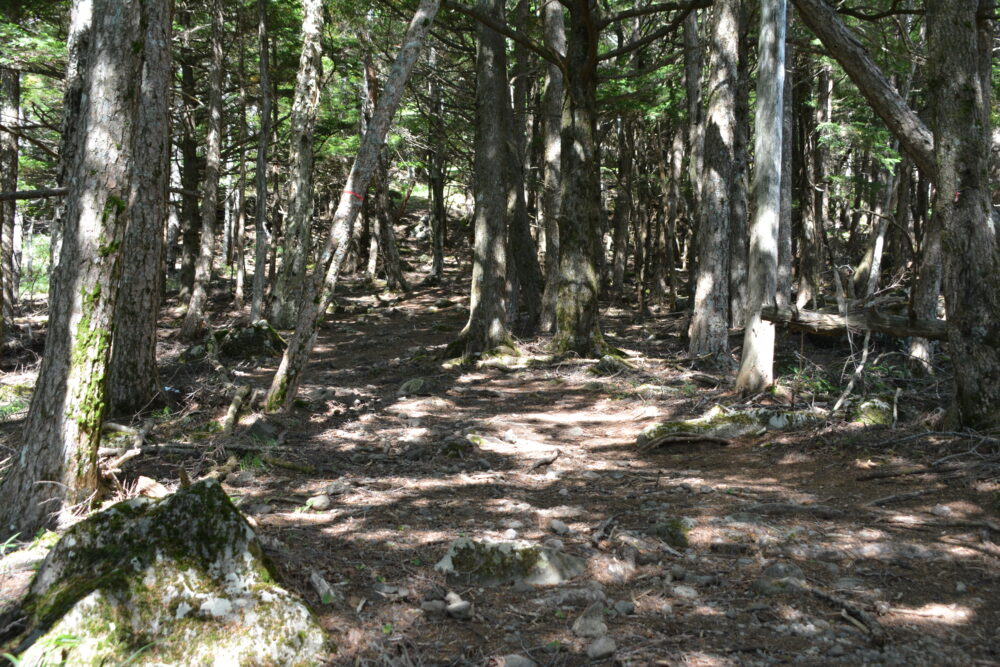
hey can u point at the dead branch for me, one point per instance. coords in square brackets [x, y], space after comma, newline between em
[866, 319]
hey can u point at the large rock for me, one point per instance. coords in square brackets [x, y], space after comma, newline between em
[721, 422]
[179, 581]
[495, 563]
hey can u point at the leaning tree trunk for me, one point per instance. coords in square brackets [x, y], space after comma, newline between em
[555, 39]
[757, 363]
[297, 249]
[436, 170]
[195, 318]
[261, 235]
[577, 324]
[487, 327]
[133, 380]
[56, 468]
[708, 332]
[958, 36]
[317, 299]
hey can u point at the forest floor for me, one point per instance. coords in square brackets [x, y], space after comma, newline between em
[836, 544]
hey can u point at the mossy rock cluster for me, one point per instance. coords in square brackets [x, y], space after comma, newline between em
[721, 422]
[872, 412]
[486, 563]
[180, 581]
[259, 339]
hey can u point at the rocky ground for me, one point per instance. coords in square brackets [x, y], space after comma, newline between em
[837, 543]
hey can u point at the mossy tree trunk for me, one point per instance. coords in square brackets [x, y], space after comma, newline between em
[577, 312]
[133, 380]
[195, 317]
[486, 328]
[56, 467]
[10, 103]
[319, 293]
[261, 234]
[297, 247]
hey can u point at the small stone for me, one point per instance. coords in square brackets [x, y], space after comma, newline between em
[554, 543]
[240, 479]
[260, 508]
[319, 503]
[564, 492]
[706, 489]
[782, 570]
[336, 488]
[677, 571]
[591, 476]
[960, 587]
[836, 651]
[558, 527]
[434, 606]
[575, 432]
[510, 534]
[685, 592]
[591, 622]
[452, 597]
[460, 610]
[516, 661]
[942, 510]
[624, 608]
[601, 648]
[509, 436]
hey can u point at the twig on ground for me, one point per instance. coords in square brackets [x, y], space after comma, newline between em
[545, 460]
[674, 438]
[899, 497]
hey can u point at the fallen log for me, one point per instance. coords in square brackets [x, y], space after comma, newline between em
[856, 320]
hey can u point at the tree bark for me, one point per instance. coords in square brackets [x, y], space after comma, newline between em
[757, 362]
[487, 328]
[56, 468]
[957, 35]
[133, 380]
[10, 108]
[577, 324]
[298, 247]
[262, 236]
[195, 317]
[191, 164]
[552, 99]
[317, 299]
[708, 332]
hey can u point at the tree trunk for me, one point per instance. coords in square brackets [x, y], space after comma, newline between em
[708, 332]
[317, 299]
[783, 290]
[739, 214]
[133, 380]
[56, 468]
[297, 248]
[10, 110]
[261, 235]
[552, 99]
[190, 164]
[486, 328]
[757, 363]
[195, 317]
[577, 324]
[958, 33]
[436, 171]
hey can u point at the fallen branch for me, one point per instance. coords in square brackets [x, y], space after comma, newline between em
[856, 320]
[545, 460]
[229, 423]
[899, 497]
[853, 614]
[674, 438]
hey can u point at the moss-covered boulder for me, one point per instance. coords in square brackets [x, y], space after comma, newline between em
[486, 563]
[259, 339]
[721, 422]
[872, 412]
[179, 581]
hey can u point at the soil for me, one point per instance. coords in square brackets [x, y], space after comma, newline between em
[889, 533]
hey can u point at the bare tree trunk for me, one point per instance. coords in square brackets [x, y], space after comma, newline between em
[783, 290]
[10, 110]
[133, 380]
[190, 163]
[959, 39]
[708, 332]
[285, 384]
[757, 363]
[487, 328]
[436, 171]
[56, 469]
[195, 317]
[552, 99]
[739, 209]
[297, 246]
[262, 237]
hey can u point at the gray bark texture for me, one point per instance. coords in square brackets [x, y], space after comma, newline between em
[957, 34]
[195, 318]
[708, 332]
[577, 326]
[552, 100]
[297, 246]
[55, 469]
[262, 236]
[757, 362]
[487, 327]
[10, 102]
[133, 380]
[320, 289]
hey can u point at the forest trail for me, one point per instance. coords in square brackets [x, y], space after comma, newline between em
[403, 468]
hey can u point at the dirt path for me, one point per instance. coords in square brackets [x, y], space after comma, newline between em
[787, 559]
